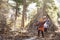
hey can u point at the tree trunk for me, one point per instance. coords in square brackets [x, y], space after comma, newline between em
[24, 11]
[3, 16]
[15, 15]
[16, 10]
[44, 7]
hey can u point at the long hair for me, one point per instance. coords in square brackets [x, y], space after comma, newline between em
[41, 19]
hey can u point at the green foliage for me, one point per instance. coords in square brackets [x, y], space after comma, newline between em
[52, 10]
[18, 1]
[35, 1]
[32, 1]
[51, 6]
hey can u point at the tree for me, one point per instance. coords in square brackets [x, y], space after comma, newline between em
[16, 7]
[3, 16]
[18, 3]
[24, 12]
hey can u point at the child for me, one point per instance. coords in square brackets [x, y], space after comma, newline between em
[40, 25]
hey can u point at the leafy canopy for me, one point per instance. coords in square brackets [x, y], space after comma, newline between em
[18, 1]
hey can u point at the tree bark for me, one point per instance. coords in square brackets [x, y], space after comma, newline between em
[44, 7]
[24, 11]
[16, 10]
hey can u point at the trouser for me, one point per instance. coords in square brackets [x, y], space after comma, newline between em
[45, 29]
[41, 33]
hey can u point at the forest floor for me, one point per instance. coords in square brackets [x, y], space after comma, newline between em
[48, 36]
[30, 35]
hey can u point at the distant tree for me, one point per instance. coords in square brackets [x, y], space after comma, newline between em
[18, 3]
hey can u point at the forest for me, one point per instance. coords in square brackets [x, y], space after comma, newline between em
[17, 18]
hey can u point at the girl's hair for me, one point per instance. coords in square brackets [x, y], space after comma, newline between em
[41, 19]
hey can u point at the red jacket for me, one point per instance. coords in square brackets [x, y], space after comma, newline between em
[41, 26]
